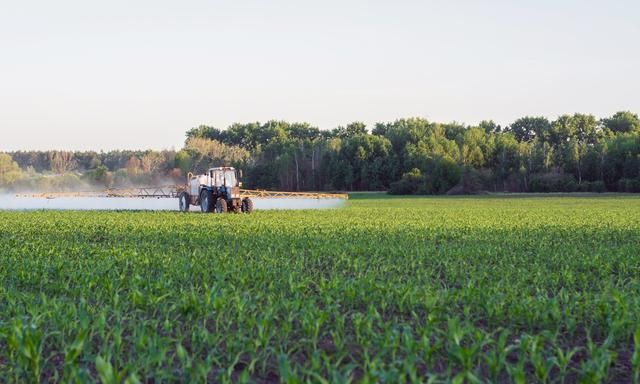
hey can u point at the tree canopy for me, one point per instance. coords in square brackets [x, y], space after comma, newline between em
[574, 152]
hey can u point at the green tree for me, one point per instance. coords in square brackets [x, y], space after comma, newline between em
[354, 129]
[622, 122]
[529, 128]
[10, 172]
[208, 153]
[572, 136]
[506, 158]
[205, 132]
[366, 155]
[477, 147]
[184, 161]
[489, 126]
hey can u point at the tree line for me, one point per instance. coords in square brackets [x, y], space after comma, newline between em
[74, 170]
[575, 152]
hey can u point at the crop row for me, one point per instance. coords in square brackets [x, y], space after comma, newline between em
[384, 290]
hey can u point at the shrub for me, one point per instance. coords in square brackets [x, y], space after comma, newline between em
[629, 185]
[553, 182]
[411, 183]
[442, 175]
[596, 186]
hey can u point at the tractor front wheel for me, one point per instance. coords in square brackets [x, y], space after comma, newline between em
[247, 205]
[221, 205]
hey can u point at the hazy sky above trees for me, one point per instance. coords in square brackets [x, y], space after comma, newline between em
[138, 74]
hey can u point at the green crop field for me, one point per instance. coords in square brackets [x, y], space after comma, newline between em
[462, 289]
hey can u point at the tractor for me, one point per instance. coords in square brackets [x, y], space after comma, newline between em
[217, 190]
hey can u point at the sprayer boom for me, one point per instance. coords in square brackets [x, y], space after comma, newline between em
[173, 191]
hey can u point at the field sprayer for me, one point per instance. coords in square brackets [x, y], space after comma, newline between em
[217, 190]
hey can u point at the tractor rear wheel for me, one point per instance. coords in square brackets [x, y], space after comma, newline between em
[221, 205]
[183, 202]
[205, 201]
[247, 205]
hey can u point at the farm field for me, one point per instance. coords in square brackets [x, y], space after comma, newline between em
[441, 289]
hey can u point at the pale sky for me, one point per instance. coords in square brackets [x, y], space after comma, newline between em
[138, 74]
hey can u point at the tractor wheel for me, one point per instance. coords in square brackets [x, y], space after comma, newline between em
[247, 205]
[183, 202]
[221, 205]
[205, 201]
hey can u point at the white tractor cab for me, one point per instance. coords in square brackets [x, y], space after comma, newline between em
[218, 190]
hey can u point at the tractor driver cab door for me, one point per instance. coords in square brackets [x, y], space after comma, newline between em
[229, 178]
[216, 178]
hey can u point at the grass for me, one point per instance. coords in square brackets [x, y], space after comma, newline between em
[465, 289]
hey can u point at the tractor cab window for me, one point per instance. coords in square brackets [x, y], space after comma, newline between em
[227, 177]
[216, 178]
[230, 178]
